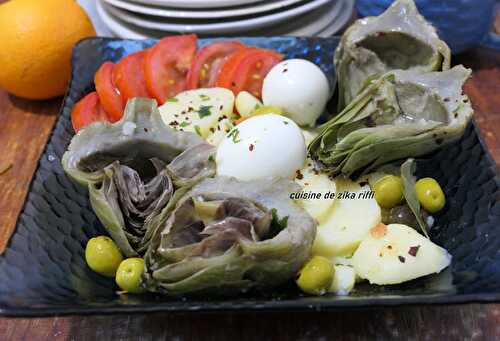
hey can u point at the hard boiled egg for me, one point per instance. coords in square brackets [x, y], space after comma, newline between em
[260, 147]
[299, 87]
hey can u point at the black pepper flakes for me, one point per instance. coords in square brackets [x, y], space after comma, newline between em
[363, 183]
[401, 259]
[446, 99]
[145, 130]
[389, 247]
[413, 250]
[212, 129]
[439, 140]
[251, 147]
[299, 175]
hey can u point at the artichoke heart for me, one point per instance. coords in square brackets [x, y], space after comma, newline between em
[135, 169]
[225, 234]
[401, 114]
[399, 38]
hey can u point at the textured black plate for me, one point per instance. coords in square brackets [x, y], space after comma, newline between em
[43, 271]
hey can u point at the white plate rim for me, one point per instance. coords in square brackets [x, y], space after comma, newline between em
[323, 20]
[116, 28]
[197, 3]
[121, 30]
[345, 14]
[200, 14]
[217, 28]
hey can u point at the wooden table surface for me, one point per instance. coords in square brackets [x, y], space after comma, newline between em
[25, 127]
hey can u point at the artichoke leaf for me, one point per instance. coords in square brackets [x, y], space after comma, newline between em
[407, 114]
[237, 246]
[192, 165]
[136, 169]
[123, 202]
[139, 136]
[410, 194]
[400, 38]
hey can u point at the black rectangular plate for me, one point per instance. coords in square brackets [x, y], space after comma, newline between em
[43, 271]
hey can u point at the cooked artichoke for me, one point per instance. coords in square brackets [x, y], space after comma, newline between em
[401, 114]
[138, 137]
[400, 38]
[134, 169]
[229, 235]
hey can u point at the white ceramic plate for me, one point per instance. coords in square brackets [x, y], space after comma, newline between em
[341, 21]
[334, 25]
[202, 14]
[123, 30]
[196, 3]
[216, 27]
[308, 25]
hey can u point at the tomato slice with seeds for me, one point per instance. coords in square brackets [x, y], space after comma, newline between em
[208, 61]
[166, 65]
[245, 70]
[129, 76]
[109, 95]
[86, 111]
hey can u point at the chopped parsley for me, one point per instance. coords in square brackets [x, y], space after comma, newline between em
[257, 106]
[235, 135]
[204, 97]
[278, 224]
[204, 111]
[184, 124]
[285, 122]
[197, 129]
[211, 158]
[172, 99]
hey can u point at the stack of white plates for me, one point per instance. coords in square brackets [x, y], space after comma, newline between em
[157, 18]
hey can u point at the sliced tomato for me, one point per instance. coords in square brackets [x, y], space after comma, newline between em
[87, 111]
[245, 70]
[208, 61]
[166, 65]
[129, 76]
[109, 95]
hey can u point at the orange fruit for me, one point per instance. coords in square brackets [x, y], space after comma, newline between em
[36, 39]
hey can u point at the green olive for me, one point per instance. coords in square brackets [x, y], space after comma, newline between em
[388, 191]
[401, 214]
[103, 256]
[316, 276]
[430, 194]
[128, 275]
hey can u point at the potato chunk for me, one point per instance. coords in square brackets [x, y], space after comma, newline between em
[397, 253]
[343, 281]
[198, 111]
[351, 219]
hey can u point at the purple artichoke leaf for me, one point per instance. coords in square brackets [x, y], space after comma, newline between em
[221, 233]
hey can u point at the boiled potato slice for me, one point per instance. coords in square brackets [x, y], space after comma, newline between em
[349, 222]
[312, 180]
[343, 281]
[198, 110]
[246, 103]
[395, 253]
[220, 132]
